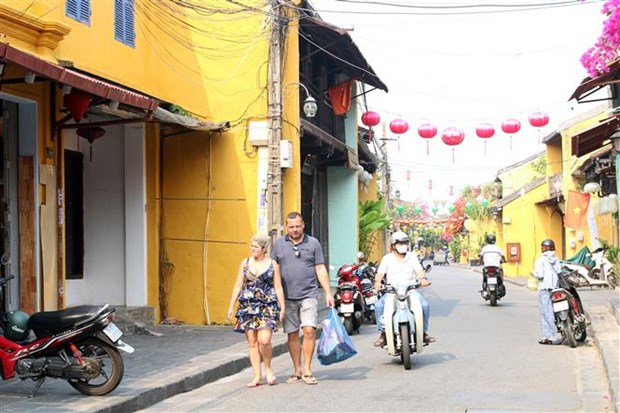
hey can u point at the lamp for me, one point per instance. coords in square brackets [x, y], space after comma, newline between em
[30, 77]
[310, 106]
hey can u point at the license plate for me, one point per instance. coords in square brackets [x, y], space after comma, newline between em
[371, 300]
[492, 280]
[113, 332]
[560, 306]
[346, 308]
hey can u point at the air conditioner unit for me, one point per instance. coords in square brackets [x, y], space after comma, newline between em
[286, 154]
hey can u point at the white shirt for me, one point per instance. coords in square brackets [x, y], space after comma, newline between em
[399, 272]
[491, 255]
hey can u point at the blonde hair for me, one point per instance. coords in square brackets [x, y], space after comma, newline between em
[260, 239]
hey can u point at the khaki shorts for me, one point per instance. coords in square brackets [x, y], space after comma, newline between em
[300, 313]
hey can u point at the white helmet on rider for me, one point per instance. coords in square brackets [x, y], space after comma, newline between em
[402, 239]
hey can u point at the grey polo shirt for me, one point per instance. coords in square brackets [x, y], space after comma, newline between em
[299, 278]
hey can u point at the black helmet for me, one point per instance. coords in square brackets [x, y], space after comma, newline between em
[548, 243]
[490, 239]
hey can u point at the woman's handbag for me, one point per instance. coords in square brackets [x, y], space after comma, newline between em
[334, 345]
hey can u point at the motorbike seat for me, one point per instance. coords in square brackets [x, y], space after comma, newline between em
[52, 322]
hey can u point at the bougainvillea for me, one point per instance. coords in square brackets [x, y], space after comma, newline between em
[607, 48]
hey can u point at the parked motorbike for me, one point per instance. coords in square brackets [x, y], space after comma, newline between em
[348, 299]
[404, 330]
[601, 274]
[569, 314]
[79, 344]
[492, 290]
[366, 272]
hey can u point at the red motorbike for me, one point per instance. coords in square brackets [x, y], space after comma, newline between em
[79, 344]
[348, 299]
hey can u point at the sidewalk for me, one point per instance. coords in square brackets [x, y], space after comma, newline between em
[182, 358]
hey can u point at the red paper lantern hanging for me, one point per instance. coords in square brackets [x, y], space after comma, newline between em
[77, 102]
[371, 118]
[427, 131]
[452, 137]
[539, 119]
[398, 127]
[90, 134]
[511, 126]
[485, 131]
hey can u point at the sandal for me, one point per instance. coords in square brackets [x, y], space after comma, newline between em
[545, 341]
[310, 379]
[293, 379]
[428, 339]
[272, 381]
[254, 383]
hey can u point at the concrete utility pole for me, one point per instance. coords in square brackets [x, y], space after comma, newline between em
[274, 171]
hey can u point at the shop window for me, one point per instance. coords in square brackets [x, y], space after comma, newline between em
[124, 30]
[79, 10]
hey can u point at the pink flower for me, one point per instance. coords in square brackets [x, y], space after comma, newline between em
[607, 47]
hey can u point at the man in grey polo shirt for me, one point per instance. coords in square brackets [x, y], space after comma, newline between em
[302, 268]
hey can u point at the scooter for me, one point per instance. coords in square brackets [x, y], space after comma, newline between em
[492, 288]
[367, 272]
[601, 274]
[348, 298]
[79, 344]
[570, 317]
[403, 316]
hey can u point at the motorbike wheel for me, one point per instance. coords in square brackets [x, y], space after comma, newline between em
[405, 353]
[493, 297]
[112, 368]
[373, 320]
[348, 324]
[612, 279]
[583, 334]
[567, 326]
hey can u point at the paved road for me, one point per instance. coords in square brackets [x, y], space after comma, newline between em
[485, 359]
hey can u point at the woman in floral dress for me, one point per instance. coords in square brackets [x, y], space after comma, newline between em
[258, 290]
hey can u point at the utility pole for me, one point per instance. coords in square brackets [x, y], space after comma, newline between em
[274, 102]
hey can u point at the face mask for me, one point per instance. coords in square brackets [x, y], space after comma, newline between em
[401, 249]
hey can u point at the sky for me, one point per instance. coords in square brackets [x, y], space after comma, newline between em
[474, 65]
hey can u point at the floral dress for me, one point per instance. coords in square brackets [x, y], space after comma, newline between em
[258, 303]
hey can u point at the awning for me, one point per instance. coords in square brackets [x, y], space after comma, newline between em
[323, 136]
[166, 116]
[594, 138]
[75, 79]
[588, 85]
[338, 46]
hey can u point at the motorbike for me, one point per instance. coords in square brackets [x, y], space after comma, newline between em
[570, 317]
[348, 299]
[600, 274]
[492, 291]
[366, 272]
[403, 318]
[79, 344]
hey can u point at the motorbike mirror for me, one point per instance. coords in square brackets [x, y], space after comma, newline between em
[360, 255]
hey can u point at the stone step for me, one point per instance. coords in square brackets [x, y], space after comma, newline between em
[134, 320]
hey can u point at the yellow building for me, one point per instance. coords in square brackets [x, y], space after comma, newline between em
[143, 135]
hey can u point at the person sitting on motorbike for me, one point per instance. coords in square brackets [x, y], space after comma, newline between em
[492, 256]
[400, 266]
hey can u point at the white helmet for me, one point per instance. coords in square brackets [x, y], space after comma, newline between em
[399, 236]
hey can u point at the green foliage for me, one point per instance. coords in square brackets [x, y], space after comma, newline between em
[613, 255]
[540, 166]
[455, 247]
[373, 217]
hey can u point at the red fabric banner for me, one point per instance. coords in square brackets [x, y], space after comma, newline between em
[576, 209]
[340, 96]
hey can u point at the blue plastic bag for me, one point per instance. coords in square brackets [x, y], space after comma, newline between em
[334, 345]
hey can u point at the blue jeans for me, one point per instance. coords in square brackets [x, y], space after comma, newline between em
[380, 305]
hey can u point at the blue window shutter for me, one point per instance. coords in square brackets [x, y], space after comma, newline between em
[78, 10]
[124, 30]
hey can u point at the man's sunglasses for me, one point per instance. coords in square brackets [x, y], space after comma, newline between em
[297, 252]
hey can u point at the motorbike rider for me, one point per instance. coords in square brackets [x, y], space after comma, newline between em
[400, 265]
[491, 255]
[546, 270]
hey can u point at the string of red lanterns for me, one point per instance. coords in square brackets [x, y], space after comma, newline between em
[454, 136]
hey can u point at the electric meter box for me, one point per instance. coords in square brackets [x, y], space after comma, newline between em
[258, 133]
[286, 154]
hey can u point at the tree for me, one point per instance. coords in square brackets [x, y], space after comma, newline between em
[373, 217]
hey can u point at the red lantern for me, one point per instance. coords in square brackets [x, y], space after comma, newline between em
[77, 102]
[511, 126]
[539, 119]
[452, 137]
[485, 131]
[90, 134]
[427, 131]
[371, 119]
[399, 126]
